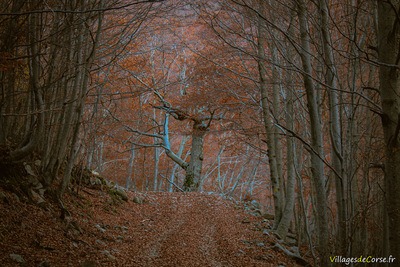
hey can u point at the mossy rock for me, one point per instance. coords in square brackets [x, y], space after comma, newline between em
[118, 193]
[138, 200]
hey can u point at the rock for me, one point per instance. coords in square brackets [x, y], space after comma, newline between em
[33, 181]
[41, 192]
[114, 250]
[16, 197]
[263, 258]
[256, 213]
[295, 250]
[44, 264]
[247, 242]
[88, 263]
[119, 192]
[36, 185]
[36, 197]
[101, 229]
[100, 242]
[3, 197]
[109, 255]
[29, 169]
[265, 232]
[73, 226]
[260, 244]
[137, 200]
[255, 204]
[17, 258]
[39, 186]
[245, 220]
[240, 253]
[95, 181]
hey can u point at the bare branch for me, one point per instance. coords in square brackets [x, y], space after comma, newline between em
[79, 11]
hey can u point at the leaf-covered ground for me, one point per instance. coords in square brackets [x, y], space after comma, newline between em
[150, 229]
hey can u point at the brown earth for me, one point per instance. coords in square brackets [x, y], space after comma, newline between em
[150, 229]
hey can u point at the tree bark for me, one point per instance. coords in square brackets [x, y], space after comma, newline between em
[35, 133]
[179, 154]
[388, 47]
[277, 190]
[288, 211]
[193, 171]
[129, 181]
[334, 128]
[317, 165]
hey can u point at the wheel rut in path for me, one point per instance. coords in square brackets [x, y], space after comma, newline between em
[194, 229]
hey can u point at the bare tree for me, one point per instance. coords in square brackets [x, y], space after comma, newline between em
[62, 41]
[269, 112]
[388, 47]
[335, 130]
[317, 165]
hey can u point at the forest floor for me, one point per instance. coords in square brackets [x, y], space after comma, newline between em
[149, 229]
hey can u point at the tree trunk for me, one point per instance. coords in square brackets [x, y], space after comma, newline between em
[317, 165]
[388, 47]
[277, 191]
[179, 154]
[128, 183]
[193, 171]
[287, 216]
[35, 134]
[156, 155]
[86, 58]
[8, 44]
[335, 128]
[156, 167]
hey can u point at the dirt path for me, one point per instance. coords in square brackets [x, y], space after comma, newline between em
[190, 235]
[198, 230]
[166, 229]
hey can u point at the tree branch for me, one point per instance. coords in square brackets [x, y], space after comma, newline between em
[79, 11]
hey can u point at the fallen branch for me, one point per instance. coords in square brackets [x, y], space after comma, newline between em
[180, 189]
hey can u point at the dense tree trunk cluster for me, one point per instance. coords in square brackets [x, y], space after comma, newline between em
[47, 51]
[48, 57]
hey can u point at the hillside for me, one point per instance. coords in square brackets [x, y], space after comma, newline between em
[150, 229]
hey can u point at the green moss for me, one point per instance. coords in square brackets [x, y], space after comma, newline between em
[117, 195]
[189, 184]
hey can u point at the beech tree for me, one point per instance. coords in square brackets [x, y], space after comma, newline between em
[44, 86]
[165, 73]
[58, 76]
[335, 131]
[334, 107]
[317, 165]
[388, 50]
[227, 95]
[269, 112]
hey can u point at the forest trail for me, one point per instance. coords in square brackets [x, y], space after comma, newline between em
[150, 229]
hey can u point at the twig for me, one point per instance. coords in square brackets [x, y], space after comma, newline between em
[180, 189]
